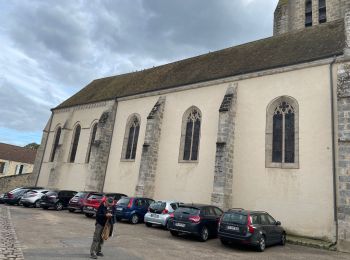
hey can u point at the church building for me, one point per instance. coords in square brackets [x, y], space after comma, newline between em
[261, 126]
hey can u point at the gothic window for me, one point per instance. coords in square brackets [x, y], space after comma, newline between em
[92, 140]
[282, 133]
[308, 13]
[55, 144]
[322, 11]
[190, 135]
[131, 138]
[75, 143]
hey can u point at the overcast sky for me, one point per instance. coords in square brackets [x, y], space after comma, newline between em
[50, 49]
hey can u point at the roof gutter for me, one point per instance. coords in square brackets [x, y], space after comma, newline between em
[331, 65]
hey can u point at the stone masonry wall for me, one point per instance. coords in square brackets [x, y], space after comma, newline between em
[223, 173]
[281, 19]
[8, 183]
[100, 150]
[343, 95]
[149, 157]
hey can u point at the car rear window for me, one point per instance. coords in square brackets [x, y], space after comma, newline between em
[158, 205]
[49, 193]
[95, 196]
[235, 217]
[80, 194]
[123, 201]
[188, 210]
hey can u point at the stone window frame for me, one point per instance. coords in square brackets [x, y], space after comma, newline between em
[54, 147]
[72, 142]
[129, 121]
[183, 135]
[269, 134]
[88, 152]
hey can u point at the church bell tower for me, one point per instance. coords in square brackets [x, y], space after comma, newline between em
[298, 14]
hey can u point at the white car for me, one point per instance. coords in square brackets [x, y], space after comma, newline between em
[32, 198]
[159, 213]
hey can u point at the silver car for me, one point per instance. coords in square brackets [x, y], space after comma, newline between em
[159, 213]
[32, 198]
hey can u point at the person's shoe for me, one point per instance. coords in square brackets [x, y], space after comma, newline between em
[93, 256]
[99, 254]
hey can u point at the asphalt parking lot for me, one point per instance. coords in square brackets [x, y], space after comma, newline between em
[48, 234]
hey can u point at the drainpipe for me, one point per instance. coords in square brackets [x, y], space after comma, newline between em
[333, 149]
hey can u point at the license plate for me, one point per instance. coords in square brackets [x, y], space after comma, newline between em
[180, 225]
[154, 215]
[120, 209]
[233, 228]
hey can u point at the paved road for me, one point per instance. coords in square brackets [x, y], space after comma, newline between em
[48, 234]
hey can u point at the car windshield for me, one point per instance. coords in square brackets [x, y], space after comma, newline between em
[159, 205]
[123, 201]
[188, 210]
[235, 217]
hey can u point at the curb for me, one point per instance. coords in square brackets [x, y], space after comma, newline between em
[309, 242]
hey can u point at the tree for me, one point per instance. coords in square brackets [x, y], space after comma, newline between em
[33, 146]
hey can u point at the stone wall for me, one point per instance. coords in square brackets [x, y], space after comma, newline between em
[223, 173]
[281, 19]
[149, 157]
[11, 182]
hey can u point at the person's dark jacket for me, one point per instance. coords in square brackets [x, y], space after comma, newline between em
[101, 214]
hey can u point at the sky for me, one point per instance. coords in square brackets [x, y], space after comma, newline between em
[51, 49]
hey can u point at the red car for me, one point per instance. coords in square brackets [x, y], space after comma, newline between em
[94, 200]
[77, 202]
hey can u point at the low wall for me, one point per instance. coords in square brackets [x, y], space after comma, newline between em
[8, 183]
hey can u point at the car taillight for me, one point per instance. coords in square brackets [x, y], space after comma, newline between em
[195, 219]
[130, 203]
[81, 200]
[149, 209]
[250, 228]
[171, 215]
[165, 211]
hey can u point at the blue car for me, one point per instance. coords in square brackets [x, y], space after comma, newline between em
[132, 209]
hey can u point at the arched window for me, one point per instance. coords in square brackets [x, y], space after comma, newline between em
[322, 11]
[131, 136]
[308, 13]
[282, 133]
[190, 135]
[75, 143]
[92, 140]
[55, 144]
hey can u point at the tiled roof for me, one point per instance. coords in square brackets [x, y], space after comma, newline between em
[291, 48]
[16, 153]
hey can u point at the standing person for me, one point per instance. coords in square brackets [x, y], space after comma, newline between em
[105, 212]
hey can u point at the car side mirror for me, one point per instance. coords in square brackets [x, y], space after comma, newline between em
[278, 223]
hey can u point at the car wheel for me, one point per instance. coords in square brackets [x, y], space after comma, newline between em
[89, 215]
[71, 210]
[204, 234]
[37, 204]
[224, 241]
[174, 233]
[283, 239]
[262, 244]
[134, 219]
[148, 224]
[59, 206]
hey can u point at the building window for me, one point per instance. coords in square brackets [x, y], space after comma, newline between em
[92, 140]
[308, 13]
[75, 143]
[2, 167]
[55, 144]
[322, 11]
[131, 137]
[19, 169]
[282, 133]
[190, 135]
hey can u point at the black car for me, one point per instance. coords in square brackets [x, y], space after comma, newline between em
[255, 228]
[196, 219]
[57, 199]
[13, 197]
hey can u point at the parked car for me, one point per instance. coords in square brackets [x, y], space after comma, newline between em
[255, 228]
[196, 219]
[132, 209]
[13, 197]
[2, 198]
[77, 202]
[57, 199]
[159, 213]
[115, 196]
[92, 203]
[32, 198]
